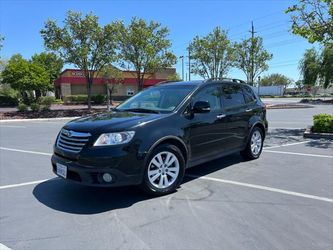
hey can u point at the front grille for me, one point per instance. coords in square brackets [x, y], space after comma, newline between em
[72, 141]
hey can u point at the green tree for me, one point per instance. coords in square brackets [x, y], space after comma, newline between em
[310, 68]
[251, 57]
[51, 63]
[326, 66]
[83, 43]
[25, 76]
[276, 80]
[111, 77]
[174, 77]
[212, 55]
[145, 47]
[313, 20]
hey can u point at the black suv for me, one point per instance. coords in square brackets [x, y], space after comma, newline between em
[150, 139]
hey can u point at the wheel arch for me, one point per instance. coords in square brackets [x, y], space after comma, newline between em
[174, 140]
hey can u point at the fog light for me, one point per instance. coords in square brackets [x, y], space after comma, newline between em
[107, 177]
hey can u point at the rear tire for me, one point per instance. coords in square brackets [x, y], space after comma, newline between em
[254, 146]
[164, 170]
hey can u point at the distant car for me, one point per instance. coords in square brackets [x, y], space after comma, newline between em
[150, 139]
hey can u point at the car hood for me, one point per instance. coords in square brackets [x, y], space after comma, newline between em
[110, 121]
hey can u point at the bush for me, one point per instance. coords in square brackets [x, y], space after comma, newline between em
[35, 107]
[46, 100]
[8, 100]
[8, 96]
[22, 107]
[58, 101]
[76, 99]
[98, 99]
[323, 123]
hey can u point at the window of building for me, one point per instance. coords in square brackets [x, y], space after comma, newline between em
[130, 92]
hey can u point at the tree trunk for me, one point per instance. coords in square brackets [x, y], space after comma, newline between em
[139, 82]
[89, 86]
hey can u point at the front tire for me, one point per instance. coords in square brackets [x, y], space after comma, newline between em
[164, 170]
[254, 146]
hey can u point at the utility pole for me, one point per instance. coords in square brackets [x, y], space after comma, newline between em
[189, 64]
[182, 57]
[252, 53]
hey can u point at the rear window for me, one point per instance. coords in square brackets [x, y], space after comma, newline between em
[248, 94]
[232, 96]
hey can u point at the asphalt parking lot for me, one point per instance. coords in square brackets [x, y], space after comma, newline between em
[284, 200]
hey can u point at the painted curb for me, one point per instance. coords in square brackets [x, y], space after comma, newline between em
[40, 119]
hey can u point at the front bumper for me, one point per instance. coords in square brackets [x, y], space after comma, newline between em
[125, 170]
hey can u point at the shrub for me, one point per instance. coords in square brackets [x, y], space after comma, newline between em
[22, 107]
[98, 99]
[8, 96]
[58, 101]
[323, 123]
[46, 102]
[35, 107]
[76, 99]
[8, 100]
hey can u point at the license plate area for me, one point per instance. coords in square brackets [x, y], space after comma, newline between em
[61, 170]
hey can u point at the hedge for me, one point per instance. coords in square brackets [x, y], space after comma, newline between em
[8, 100]
[323, 123]
[83, 99]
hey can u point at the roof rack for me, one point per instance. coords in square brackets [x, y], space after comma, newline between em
[168, 81]
[224, 79]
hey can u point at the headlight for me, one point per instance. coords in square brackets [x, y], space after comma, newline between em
[114, 138]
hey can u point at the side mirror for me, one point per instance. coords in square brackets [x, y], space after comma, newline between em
[201, 107]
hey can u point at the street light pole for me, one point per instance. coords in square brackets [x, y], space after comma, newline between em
[182, 57]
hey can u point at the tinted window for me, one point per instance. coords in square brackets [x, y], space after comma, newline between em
[211, 95]
[160, 98]
[232, 96]
[248, 94]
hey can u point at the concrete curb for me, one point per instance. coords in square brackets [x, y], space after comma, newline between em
[309, 134]
[40, 119]
[285, 106]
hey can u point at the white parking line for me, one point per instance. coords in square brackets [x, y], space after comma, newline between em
[11, 126]
[23, 184]
[25, 151]
[3, 247]
[276, 190]
[289, 144]
[302, 154]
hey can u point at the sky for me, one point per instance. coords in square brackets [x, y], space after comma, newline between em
[21, 21]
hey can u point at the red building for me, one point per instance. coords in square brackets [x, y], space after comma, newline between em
[73, 82]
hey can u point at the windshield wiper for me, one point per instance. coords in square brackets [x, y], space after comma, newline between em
[141, 110]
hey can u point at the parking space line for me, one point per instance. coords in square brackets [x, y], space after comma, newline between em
[302, 154]
[11, 126]
[3, 247]
[288, 144]
[25, 151]
[23, 184]
[275, 190]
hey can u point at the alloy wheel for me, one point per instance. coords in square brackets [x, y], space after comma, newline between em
[163, 170]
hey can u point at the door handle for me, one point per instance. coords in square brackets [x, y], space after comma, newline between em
[248, 110]
[221, 116]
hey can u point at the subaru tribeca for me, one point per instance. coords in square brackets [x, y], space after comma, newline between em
[154, 136]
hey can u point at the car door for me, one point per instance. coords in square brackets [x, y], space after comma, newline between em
[206, 132]
[236, 118]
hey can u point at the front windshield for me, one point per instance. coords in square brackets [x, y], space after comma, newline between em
[157, 99]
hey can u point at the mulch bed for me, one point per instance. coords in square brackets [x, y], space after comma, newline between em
[48, 114]
[317, 101]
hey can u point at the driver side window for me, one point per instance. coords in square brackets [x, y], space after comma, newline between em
[210, 94]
